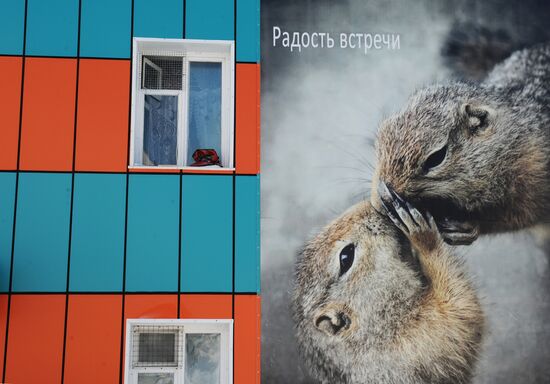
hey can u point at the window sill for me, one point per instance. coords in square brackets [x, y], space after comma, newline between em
[171, 169]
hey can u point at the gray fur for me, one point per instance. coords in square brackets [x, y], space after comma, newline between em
[412, 320]
[497, 177]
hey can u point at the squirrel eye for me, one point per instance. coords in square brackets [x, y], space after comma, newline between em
[346, 258]
[435, 159]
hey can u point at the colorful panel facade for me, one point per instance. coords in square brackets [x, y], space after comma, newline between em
[102, 119]
[247, 339]
[47, 339]
[47, 131]
[152, 242]
[106, 28]
[210, 19]
[152, 20]
[52, 28]
[10, 106]
[12, 26]
[247, 234]
[93, 339]
[248, 31]
[3, 325]
[7, 199]
[207, 230]
[42, 232]
[248, 119]
[97, 243]
[206, 306]
[87, 242]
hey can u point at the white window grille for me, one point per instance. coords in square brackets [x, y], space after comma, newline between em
[182, 101]
[179, 351]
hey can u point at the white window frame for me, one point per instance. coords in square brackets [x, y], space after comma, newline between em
[222, 51]
[224, 327]
[148, 62]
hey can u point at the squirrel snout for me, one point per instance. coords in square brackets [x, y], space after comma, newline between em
[332, 322]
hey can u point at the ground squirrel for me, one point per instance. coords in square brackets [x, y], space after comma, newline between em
[373, 306]
[475, 155]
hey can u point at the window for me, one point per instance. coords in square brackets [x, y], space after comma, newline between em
[182, 103]
[179, 352]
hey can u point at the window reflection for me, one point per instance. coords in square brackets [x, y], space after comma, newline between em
[202, 358]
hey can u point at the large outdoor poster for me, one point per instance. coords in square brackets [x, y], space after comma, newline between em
[423, 129]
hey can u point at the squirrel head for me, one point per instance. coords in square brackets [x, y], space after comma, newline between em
[354, 284]
[450, 150]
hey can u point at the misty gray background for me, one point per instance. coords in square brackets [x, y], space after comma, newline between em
[320, 109]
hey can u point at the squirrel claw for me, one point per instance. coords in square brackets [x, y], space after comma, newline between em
[387, 200]
[416, 226]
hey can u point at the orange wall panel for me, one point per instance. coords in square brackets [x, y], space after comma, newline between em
[93, 339]
[248, 119]
[247, 339]
[35, 339]
[102, 123]
[48, 114]
[151, 306]
[3, 320]
[10, 98]
[207, 306]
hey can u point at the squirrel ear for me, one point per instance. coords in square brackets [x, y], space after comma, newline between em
[477, 117]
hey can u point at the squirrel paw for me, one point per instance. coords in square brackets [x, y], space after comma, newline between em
[457, 232]
[421, 229]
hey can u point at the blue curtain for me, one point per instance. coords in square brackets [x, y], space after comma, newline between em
[205, 96]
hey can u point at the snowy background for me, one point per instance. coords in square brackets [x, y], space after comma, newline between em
[320, 109]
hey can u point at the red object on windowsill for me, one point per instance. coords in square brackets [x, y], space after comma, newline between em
[205, 157]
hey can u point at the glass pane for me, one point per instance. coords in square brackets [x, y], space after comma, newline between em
[202, 358]
[155, 378]
[151, 76]
[157, 348]
[205, 108]
[162, 72]
[160, 127]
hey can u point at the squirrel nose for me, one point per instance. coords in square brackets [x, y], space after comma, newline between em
[332, 323]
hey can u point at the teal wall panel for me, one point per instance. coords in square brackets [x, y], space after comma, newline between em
[248, 30]
[42, 232]
[12, 25]
[247, 234]
[97, 245]
[7, 199]
[105, 29]
[158, 18]
[52, 27]
[210, 19]
[207, 233]
[153, 226]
